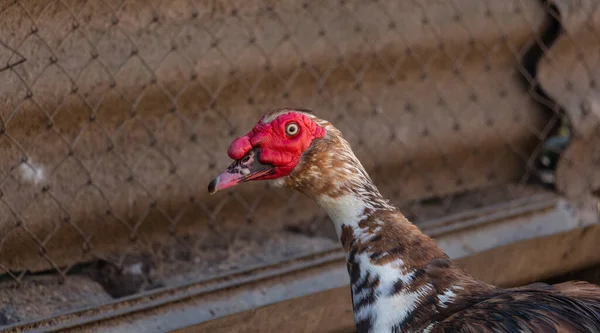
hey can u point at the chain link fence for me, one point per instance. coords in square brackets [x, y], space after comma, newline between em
[115, 115]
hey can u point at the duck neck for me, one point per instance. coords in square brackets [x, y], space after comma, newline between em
[400, 279]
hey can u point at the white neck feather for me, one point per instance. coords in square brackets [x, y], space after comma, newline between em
[345, 210]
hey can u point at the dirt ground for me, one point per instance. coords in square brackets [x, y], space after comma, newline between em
[100, 282]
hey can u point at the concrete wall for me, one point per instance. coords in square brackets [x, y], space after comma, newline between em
[116, 115]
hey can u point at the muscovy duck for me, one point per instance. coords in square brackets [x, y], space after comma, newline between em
[401, 281]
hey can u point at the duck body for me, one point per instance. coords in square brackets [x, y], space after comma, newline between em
[401, 280]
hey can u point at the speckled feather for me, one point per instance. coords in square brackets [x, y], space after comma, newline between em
[401, 281]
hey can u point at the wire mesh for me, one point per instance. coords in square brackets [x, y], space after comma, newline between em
[116, 114]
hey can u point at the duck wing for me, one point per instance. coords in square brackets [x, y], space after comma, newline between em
[537, 308]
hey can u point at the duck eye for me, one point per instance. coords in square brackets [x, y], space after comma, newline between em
[292, 129]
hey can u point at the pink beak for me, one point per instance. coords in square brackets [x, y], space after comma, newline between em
[245, 169]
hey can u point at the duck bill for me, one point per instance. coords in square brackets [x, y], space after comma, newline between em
[240, 171]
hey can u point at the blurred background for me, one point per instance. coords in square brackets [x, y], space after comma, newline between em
[480, 119]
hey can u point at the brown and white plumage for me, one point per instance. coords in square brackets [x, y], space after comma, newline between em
[401, 281]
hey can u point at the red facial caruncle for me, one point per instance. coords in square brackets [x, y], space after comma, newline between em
[270, 150]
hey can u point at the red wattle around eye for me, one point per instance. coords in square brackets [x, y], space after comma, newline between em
[280, 159]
